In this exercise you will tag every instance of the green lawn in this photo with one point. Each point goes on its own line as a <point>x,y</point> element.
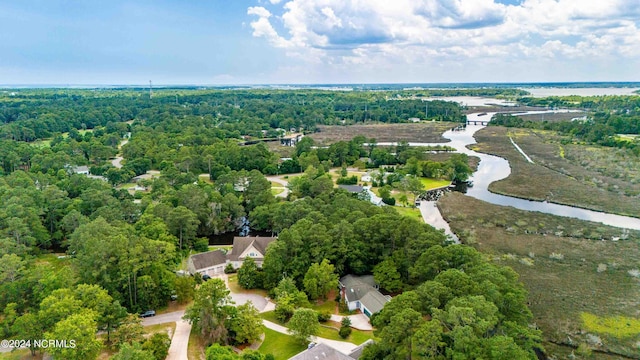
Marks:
<point>433,183</point>
<point>282,346</point>
<point>47,142</point>
<point>152,329</point>
<point>236,288</point>
<point>271,316</point>
<point>226,248</point>
<point>409,211</point>
<point>276,191</point>
<point>329,305</point>
<point>357,336</point>
<point>52,259</point>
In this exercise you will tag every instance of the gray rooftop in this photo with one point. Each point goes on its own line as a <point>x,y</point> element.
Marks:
<point>355,280</point>
<point>357,352</point>
<point>363,288</point>
<point>374,301</point>
<point>241,243</point>
<point>208,259</point>
<point>80,169</point>
<point>321,352</point>
<point>355,189</point>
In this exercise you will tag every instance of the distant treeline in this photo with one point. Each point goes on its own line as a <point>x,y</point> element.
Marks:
<point>31,114</point>
<point>610,116</point>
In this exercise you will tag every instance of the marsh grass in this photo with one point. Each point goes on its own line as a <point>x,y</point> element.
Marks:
<point>593,177</point>
<point>559,290</point>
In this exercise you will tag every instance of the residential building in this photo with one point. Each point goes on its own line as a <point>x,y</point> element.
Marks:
<point>214,262</point>
<point>254,247</point>
<point>361,292</point>
<point>324,352</point>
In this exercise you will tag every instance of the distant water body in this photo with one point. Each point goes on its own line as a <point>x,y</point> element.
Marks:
<point>626,87</point>
<point>594,91</point>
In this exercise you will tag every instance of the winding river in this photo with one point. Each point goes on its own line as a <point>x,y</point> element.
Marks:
<point>494,168</point>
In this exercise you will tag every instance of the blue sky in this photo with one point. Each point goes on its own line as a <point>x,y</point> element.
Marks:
<point>317,41</point>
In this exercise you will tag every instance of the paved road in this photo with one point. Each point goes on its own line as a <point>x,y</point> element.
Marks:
<point>163,318</point>
<point>117,162</point>
<point>281,181</point>
<point>180,339</point>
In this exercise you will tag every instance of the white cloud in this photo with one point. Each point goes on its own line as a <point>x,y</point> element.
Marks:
<point>259,11</point>
<point>384,33</point>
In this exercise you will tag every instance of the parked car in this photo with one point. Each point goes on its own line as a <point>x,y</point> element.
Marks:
<point>206,277</point>
<point>174,297</point>
<point>148,313</point>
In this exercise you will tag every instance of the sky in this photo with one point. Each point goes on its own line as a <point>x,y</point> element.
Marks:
<point>216,42</point>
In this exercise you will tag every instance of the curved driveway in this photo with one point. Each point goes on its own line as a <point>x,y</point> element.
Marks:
<point>281,181</point>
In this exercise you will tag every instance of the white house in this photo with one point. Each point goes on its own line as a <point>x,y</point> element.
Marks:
<point>82,170</point>
<point>361,292</point>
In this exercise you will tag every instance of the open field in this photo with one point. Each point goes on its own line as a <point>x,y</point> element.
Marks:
<point>553,116</point>
<point>47,142</point>
<point>423,132</point>
<point>564,174</point>
<point>566,270</point>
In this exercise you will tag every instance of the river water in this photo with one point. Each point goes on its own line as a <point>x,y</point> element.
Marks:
<point>494,168</point>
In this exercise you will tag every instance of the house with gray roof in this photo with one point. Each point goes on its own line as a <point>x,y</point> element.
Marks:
<point>207,263</point>
<point>254,247</point>
<point>361,292</point>
<point>213,262</point>
<point>321,352</point>
<point>354,189</point>
<point>325,352</point>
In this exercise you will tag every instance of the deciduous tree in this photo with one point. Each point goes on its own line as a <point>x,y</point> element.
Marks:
<point>320,279</point>
<point>303,324</point>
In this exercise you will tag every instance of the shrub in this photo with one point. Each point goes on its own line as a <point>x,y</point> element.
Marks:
<point>229,269</point>
<point>324,316</point>
<point>346,322</point>
<point>389,201</point>
<point>201,244</point>
<point>556,256</point>
<point>344,332</point>
<point>351,180</point>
